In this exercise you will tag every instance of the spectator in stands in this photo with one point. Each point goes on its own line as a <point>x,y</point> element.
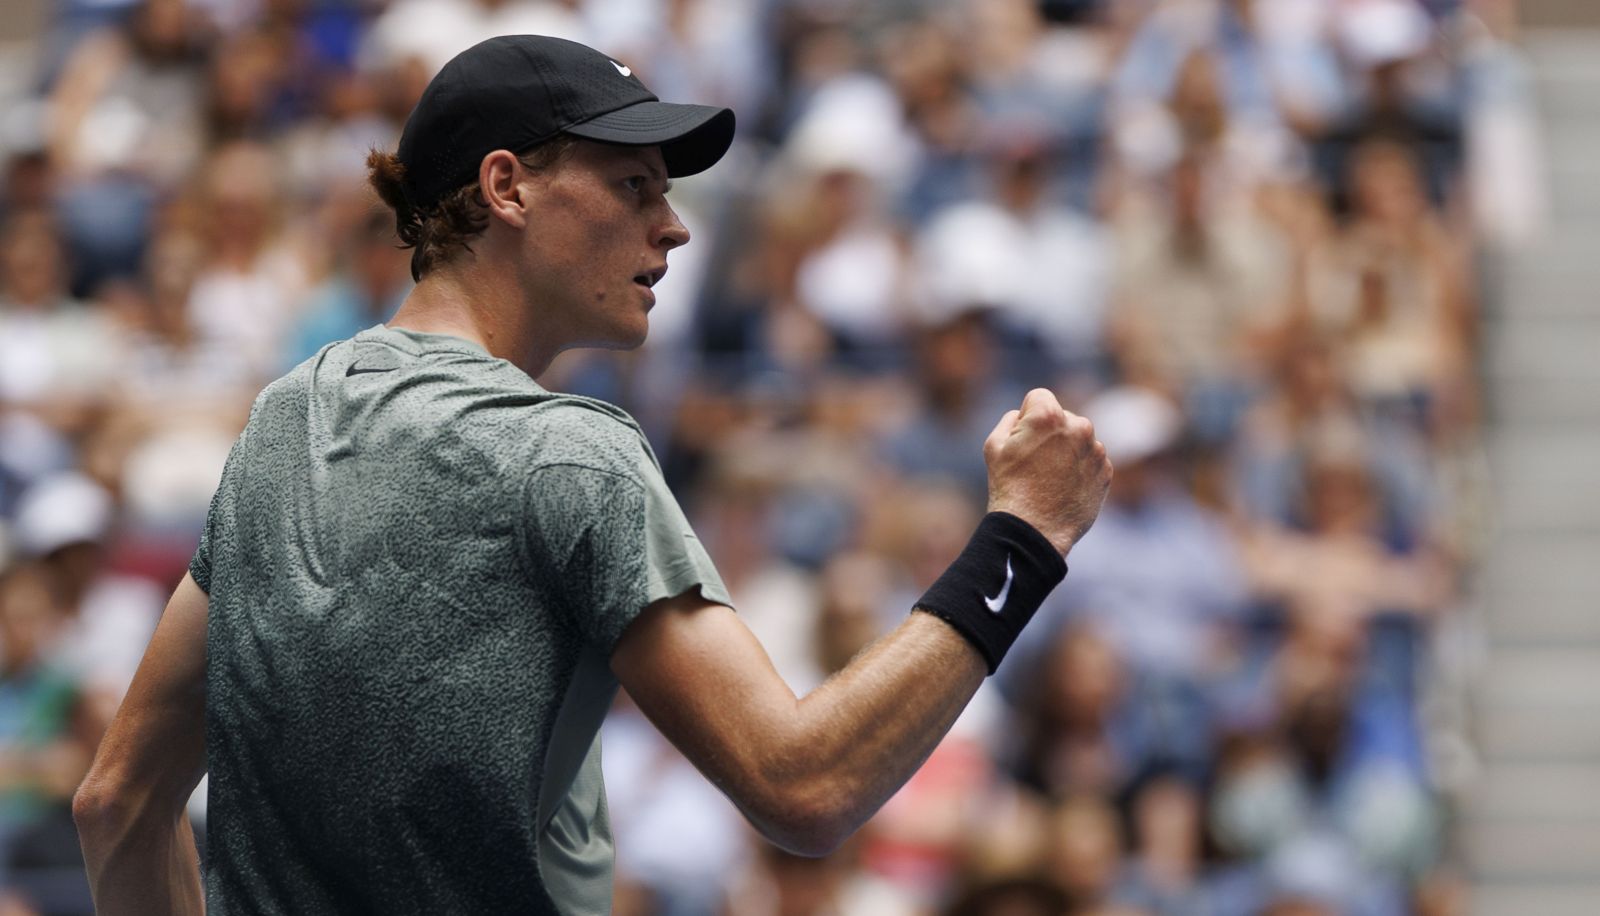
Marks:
<point>1164,816</point>
<point>923,62</point>
<point>166,366</point>
<point>1341,568</point>
<point>848,261</point>
<point>1079,730</point>
<point>46,736</point>
<point>1012,897</point>
<point>1404,94</point>
<point>1309,403</point>
<point>249,288</point>
<point>1392,287</point>
<point>1201,283</point>
<point>1158,575</point>
<point>433,31</point>
<point>1085,849</point>
<point>55,354</point>
<point>1042,266</point>
<point>126,125</point>
<point>370,284</point>
<point>63,524</point>
<point>958,386</point>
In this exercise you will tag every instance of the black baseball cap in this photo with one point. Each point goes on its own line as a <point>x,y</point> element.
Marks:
<point>515,91</point>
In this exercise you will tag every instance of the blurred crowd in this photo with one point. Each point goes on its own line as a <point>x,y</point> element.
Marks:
<point>1252,240</point>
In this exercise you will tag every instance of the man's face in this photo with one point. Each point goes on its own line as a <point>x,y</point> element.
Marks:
<point>597,239</point>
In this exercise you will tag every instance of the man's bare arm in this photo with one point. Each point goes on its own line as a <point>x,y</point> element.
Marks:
<point>808,772</point>
<point>130,810</point>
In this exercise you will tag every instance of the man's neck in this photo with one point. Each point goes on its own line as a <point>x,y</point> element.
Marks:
<point>482,309</point>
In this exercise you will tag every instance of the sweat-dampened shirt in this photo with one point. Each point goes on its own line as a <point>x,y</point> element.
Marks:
<point>419,562</point>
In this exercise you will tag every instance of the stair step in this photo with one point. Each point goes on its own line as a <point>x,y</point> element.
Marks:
<point>1571,177</point>
<point>1555,679</point>
<point>1529,403</point>
<point>1518,733</point>
<point>1535,850</point>
<point>1542,591</point>
<point>1567,793</point>
<point>1563,53</point>
<point>1531,616</point>
<point>1565,348</point>
<point>1545,480</point>
<point>1566,98</point>
<point>1566,289</point>
<point>1542,899</point>
<point>1566,563</point>
<point>1570,250</point>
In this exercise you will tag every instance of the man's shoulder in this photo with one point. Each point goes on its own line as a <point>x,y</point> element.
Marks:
<point>572,430</point>
<point>586,416</point>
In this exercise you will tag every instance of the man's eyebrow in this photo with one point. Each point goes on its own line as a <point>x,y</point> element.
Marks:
<point>656,173</point>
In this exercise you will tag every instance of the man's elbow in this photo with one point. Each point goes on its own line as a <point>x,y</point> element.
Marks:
<point>92,808</point>
<point>100,806</point>
<point>810,821</point>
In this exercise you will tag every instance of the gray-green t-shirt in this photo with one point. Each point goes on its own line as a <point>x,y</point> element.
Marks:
<point>419,562</point>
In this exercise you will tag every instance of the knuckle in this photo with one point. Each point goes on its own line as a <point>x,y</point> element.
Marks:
<point>1050,419</point>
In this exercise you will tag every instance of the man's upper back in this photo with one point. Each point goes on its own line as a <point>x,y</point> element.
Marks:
<point>418,563</point>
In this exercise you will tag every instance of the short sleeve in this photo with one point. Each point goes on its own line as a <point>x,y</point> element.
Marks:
<point>604,544</point>
<point>200,563</point>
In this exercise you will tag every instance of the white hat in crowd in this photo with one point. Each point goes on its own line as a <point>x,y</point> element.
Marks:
<point>64,508</point>
<point>1133,423</point>
<point>1376,32</point>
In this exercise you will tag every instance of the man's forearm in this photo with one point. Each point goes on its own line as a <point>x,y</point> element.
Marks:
<point>137,843</point>
<point>865,731</point>
<point>140,863</point>
<point>805,771</point>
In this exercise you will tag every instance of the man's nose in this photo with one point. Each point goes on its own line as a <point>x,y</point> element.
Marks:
<point>673,232</point>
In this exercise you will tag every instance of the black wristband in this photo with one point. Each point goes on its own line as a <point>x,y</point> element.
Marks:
<point>992,590</point>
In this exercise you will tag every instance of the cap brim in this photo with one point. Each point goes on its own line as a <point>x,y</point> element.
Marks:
<point>692,137</point>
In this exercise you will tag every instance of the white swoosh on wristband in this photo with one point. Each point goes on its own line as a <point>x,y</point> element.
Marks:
<point>998,602</point>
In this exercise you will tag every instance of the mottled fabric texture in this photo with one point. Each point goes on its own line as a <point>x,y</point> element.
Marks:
<point>419,562</point>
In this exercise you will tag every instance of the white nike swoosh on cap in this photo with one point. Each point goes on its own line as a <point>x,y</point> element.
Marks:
<point>998,602</point>
<point>621,69</point>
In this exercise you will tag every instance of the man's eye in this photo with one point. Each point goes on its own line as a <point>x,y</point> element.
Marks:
<point>635,184</point>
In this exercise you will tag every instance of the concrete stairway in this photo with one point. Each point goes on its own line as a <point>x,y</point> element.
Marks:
<point>1532,823</point>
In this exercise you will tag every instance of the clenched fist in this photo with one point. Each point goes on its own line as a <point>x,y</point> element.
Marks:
<point>1047,468</point>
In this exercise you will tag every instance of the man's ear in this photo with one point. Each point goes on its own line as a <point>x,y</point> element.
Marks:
<point>500,178</point>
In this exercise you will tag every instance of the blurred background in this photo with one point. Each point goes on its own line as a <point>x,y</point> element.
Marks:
<point>1320,271</point>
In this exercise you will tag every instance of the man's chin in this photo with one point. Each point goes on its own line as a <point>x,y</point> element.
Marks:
<point>623,339</point>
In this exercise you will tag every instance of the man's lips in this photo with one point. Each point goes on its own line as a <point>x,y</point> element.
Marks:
<point>651,277</point>
<point>648,279</point>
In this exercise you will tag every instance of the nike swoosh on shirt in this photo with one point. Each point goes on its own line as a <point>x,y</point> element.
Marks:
<point>354,371</point>
<point>998,602</point>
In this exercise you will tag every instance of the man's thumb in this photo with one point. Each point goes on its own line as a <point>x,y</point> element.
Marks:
<point>1002,430</point>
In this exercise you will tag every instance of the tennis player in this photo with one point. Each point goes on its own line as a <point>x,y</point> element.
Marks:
<point>423,576</point>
